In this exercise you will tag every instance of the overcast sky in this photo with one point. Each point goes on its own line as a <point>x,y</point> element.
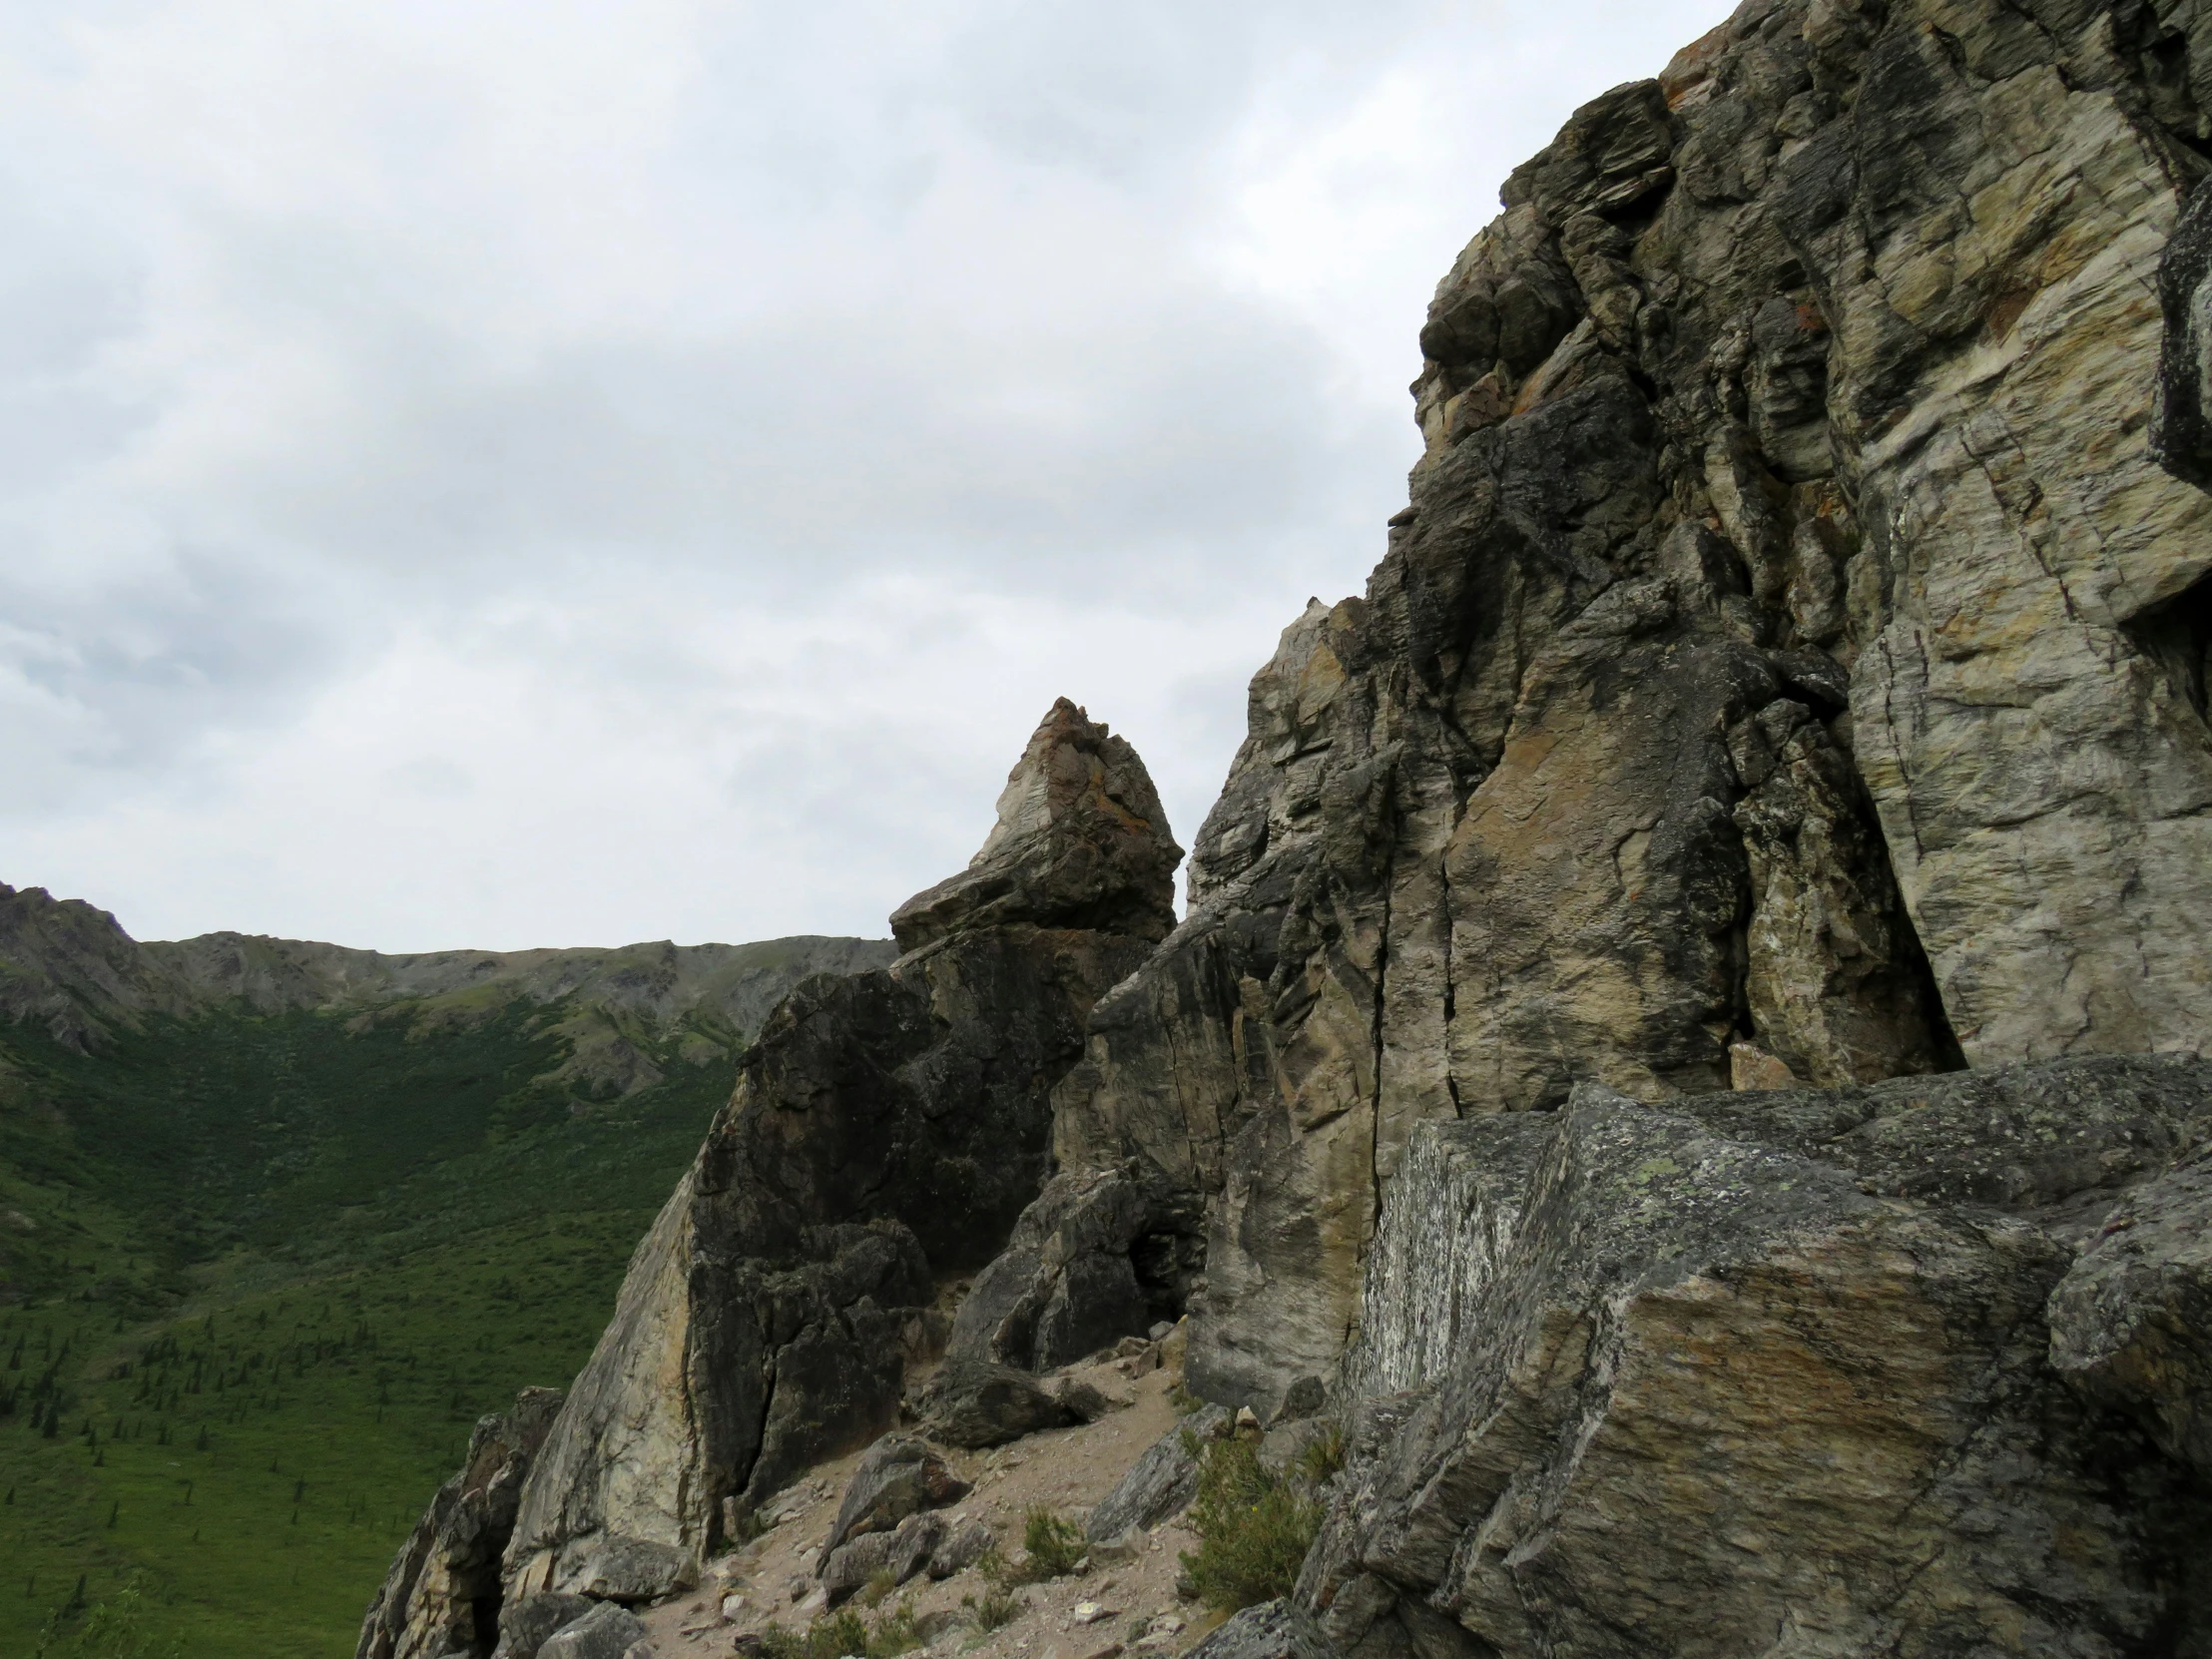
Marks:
<point>525,473</point>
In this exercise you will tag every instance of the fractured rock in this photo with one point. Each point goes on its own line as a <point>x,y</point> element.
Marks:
<point>898,1477</point>
<point>901,1553</point>
<point>1272,1630</point>
<point>977,1405</point>
<point>524,1626</point>
<point>448,1569</point>
<point>1162,1481</point>
<point>1739,1364</point>
<point>964,1545</point>
<point>606,1632</point>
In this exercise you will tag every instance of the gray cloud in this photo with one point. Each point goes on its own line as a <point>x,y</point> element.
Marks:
<point>516,474</point>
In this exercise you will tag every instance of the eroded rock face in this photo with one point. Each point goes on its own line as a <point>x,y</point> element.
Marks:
<point>1748,1363</point>
<point>443,1593</point>
<point>1081,842</point>
<point>886,1132</point>
<point>1790,665</point>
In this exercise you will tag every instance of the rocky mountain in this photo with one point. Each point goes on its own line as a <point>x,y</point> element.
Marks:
<point>1684,1039</point>
<point>71,969</point>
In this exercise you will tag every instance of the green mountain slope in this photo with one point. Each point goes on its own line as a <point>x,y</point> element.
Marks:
<point>272,1234</point>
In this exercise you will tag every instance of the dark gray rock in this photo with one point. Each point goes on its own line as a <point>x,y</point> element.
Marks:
<point>963,1546</point>
<point>2131,1323</point>
<point>445,1580</point>
<point>2181,417</point>
<point>886,1132</point>
<point>619,1568</point>
<point>525,1625</point>
<point>1163,1480</point>
<point>976,1405</point>
<point>1272,1630</point>
<point>898,1477</point>
<point>607,1631</point>
<point>901,1553</point>
<point>1708,1368</point>
<point>1099,1255</point>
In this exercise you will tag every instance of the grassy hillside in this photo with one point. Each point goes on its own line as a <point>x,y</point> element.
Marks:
<point>261,1275</point>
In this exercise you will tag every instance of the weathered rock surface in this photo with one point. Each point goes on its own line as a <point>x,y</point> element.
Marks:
<point>1272,1630</point>
<point>606,1632</point>
<point>1080,842</point>
<point>901,1553</point>
<point>1747,1363</point>
<point>524,1626</point>
<point>886,1130</point>
<point>1789,664</point>
<point>1163,1480</point>
<point>900,1476</point>
<point>972,1405</point>
<point>443,1594</point>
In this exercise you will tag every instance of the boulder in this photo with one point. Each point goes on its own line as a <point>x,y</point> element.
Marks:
<point>965,1543</point>
<point>900,1476</point>
<point>619,1568</point>
<point>901,1553</point>
<point>2131,1323</point>
<point>1272,1630</point>
<point>1163,1480</point>
<point>607,1631</point>
<point>525,1625</point>
<point>1748,1363</point>
<point>977,1405</point>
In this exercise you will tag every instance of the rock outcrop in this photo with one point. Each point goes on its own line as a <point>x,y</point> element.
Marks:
<point>886,1132</point>
<point>1823,1363</point>
<point>1790,665</point>
<point>443,1594</point>
<point>1683,1042</point>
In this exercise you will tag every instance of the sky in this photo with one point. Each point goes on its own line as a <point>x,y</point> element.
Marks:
<point>501,473</point>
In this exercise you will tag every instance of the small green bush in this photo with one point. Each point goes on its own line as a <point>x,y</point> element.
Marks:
<point>1054,1546</point>
<point>1323,1459</point>
<point>896,1633</point>
<point>832,1636</point>
<point>999,1605</point>
<point>880,1583</point>
<point>1254,1528</point>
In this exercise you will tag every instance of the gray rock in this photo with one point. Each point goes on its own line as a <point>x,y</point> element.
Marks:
<point>616,1567</point>
<point>886,1132</point>
<point>1080,842</point>
<point>900,1476</point>
<point>2181,416</point>
<point>2131,1323</point>
<point>606,1632</point>
<point>902,1553</point>
<point>451,1560</point>
<point>1163,1480</point>
<point>1272,1630</point>
<point>525,1624</point>
<point>1098,1256</point>
<point>963,1546</point>
<point>976,1405</point>
<point>1707,1370</point>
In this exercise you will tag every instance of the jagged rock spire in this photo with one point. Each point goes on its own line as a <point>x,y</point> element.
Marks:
<point>1080,841</point>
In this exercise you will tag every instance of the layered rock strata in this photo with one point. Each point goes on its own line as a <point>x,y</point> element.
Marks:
<point>886,1132</point>
<point>1826,1364</point>
<point>1789,668</point>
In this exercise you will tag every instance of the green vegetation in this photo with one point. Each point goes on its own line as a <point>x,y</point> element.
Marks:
<point>258,1279</point>
<point>1052,1546</point>
<point>846,1635</point>
<point>1254,1528</point>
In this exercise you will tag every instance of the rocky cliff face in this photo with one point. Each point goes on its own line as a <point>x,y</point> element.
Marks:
<point>887,1131</point>
<point>1727,901</point>
<point>1788,667</point>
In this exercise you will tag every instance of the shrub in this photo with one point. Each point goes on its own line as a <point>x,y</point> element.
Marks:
<point>999,1605</point>
<point>832,1636</point>
<point>1054,1546</point>
<point>1254,1528</point>
<point>1323,1459</point>
<point>896,1633</point>
<point>880,1583</point>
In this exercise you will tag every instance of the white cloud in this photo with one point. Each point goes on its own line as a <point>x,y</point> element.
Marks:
<point>501,474</point>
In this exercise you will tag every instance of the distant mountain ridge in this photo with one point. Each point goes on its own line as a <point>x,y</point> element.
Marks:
<point>70,969</point>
